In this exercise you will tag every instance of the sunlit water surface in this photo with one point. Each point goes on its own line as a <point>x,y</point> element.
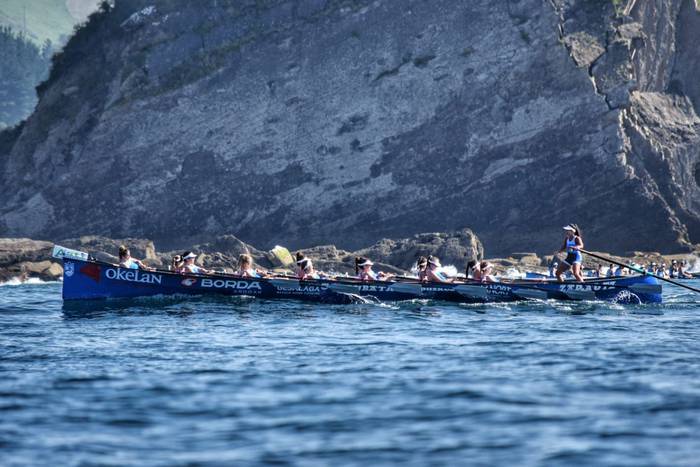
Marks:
<point>241,382</point>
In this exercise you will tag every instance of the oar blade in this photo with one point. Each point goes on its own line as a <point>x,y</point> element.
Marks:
<point>650,289</point>
<point>474,292</point>
<point>580,295</point>
<point>406,288</point>
<point>531,294</point>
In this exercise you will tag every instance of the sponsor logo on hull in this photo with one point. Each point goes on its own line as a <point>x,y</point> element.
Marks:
<point>133,275</point>
<point>190,281</point>
<point>588,287</point>
<point>231,284</point>
<point>307,289</point>
<point>373,288</point>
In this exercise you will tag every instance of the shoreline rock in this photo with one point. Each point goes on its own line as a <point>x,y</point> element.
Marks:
<point>28,258</point>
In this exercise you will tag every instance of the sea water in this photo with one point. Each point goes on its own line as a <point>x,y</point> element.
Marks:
<point>245,382</point>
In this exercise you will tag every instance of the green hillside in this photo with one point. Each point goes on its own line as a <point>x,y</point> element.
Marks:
<point>45,19</point>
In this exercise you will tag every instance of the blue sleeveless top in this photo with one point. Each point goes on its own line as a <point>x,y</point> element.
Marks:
<point>130,264</point>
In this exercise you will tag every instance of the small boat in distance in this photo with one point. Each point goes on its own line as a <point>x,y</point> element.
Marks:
<point>87,279</point>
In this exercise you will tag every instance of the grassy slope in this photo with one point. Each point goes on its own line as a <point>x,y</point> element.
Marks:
<point>46,19</point>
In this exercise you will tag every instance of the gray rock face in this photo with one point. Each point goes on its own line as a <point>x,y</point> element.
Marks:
<point>454,248</point>
<point>322,121</point>
<point>24,258</point>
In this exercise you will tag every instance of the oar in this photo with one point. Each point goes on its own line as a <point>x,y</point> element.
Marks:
<point>641,271</point>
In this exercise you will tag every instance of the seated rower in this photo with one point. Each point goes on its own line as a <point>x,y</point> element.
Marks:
<point>245,267</point>
<point>188,266</point>
<point>682,273</point>
<point>363,270</point>
<point>305,268</point>
<point>471,269</point>
<point>433,273</point>
<point>126,261</point>
<point>475,268</point>
<point>422,267</point>
<point>599,271</point>
<point>486,272</point>
<point>176,263</point>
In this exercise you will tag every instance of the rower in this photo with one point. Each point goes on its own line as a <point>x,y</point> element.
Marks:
<point>477,273</point>
<point>573,242</point>
<point>176,263</point>
<point>363,270</point>
<point>189,267</point>
<point>599,271</point>
<point>486,270</point>
<point>471,269</point>
<point>245,267</point>
<point>305,268</point>
<point>433,273</point>
<point>422,267</point>
<point>126,261</point>
<point>682,273</point>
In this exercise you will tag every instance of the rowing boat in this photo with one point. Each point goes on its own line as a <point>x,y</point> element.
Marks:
<point>86,279</point>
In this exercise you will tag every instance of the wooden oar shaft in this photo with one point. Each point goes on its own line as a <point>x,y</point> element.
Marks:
<point>610,260</point>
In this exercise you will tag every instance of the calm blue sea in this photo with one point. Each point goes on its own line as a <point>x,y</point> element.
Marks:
<point>245,382</point>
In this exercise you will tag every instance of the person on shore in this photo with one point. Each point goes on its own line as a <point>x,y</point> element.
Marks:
<point>188,266</point>
<point>245,267</point>
<point>305,268</point>
<point>433,273</point>
<point>573,243</point>
<point>422,267</point>
<point>127,262</point>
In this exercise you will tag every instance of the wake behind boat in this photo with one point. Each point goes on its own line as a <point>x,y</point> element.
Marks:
<point>86,279</point>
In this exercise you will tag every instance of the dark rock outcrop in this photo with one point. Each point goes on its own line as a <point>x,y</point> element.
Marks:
<point>325,121</point>
<point>454,248</point>
<point>22,257</point>
<point>30,258</point>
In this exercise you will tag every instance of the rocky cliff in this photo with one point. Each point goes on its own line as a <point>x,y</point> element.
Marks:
<point>22,258</point>
<point>344,121</point>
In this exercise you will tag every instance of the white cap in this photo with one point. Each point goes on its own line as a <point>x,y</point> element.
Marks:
<point>367,262</point>
<point>568,227</point>
<point>190,255</point>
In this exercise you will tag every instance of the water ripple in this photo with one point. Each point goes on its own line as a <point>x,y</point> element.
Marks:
<point>212,381</point>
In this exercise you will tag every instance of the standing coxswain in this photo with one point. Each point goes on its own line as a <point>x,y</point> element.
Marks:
<point>573,243</point>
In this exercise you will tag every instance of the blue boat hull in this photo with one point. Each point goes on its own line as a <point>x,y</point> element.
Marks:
<point>88,280</point>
